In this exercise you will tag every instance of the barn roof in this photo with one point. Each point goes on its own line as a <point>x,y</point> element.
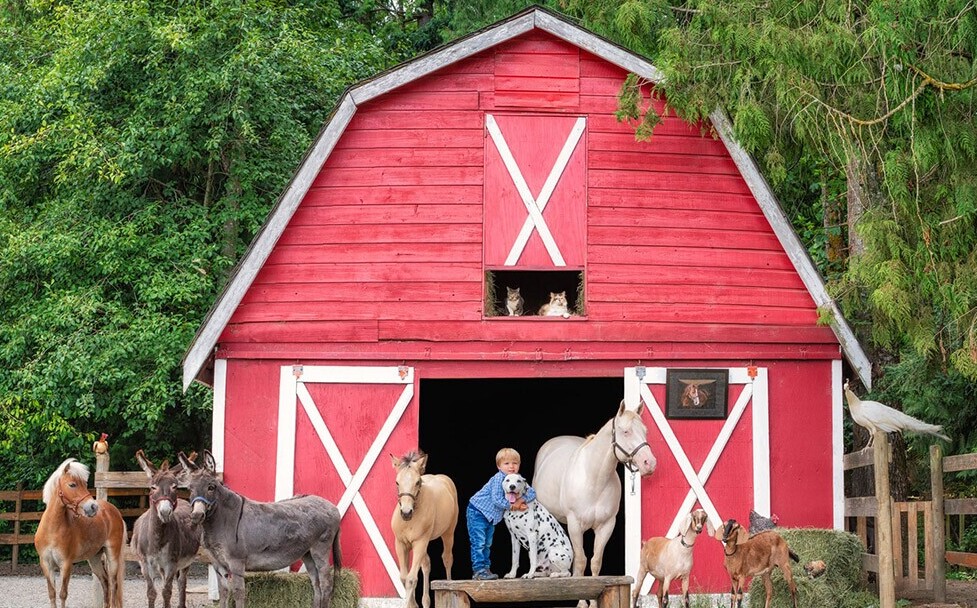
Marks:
<point>200,354</point>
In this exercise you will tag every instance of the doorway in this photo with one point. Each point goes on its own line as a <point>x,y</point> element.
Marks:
<point>463,423</point>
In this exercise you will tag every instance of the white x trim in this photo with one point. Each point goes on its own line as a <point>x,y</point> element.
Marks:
<point>755,390</point>
<point>535,206</point>
<point>292,390</point>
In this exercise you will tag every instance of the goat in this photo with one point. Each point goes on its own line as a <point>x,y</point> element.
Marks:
<point>746,557</point>
<point>668,559</point>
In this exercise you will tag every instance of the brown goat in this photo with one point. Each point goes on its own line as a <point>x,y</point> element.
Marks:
<point>746,557</point>
<point>668,559</point>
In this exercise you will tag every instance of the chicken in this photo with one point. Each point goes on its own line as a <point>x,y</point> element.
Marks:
<point>873,415</point>
<point>101,446</point>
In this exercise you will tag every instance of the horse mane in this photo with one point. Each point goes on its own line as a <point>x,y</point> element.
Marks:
<point>410,457</point>
<point>75,469</point>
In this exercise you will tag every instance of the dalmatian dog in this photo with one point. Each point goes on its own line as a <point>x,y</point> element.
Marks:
<point>536,530</point>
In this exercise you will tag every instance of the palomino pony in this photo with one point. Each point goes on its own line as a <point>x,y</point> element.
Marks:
<point>576,479</point>
<point>246,535</point>
<point>163,537</point>
<point>427,508</point>
<point>76,527</point>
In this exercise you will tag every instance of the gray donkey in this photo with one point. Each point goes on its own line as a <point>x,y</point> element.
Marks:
<point>246,535</point>
<point>164,537</point>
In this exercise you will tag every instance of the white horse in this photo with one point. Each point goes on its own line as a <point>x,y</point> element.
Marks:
<point>577,480</point>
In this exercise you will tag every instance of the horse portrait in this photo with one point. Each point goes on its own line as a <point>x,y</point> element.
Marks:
<point>75,527</point>
<point>248,535</point>
<point>164,538</point>
<point>426,509</point>
<point>576,479</point>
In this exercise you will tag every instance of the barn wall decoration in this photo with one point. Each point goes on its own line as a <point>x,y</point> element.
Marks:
<point>493,162</point>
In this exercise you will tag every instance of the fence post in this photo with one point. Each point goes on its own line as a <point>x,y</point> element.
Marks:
<point>101,466</point>
<point>18,508</point>
<point>939,540</point>
<point>883,522</point>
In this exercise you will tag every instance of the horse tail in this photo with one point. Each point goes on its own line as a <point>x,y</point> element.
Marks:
<point>337,554</point>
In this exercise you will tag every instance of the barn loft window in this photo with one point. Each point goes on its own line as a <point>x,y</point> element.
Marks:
<point>535,287</point>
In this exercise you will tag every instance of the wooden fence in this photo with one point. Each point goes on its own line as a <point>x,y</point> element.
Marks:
<point>915,528</point>
<point>127,486</point>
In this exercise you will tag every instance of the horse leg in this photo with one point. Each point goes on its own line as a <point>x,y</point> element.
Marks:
<point>48,571</point>
<point>426,572</point>
<point>447,555</point>
<point>64,575</point>
<point>602,533</point>
<point>97,563</point>
<point>575,531</point>
<point>403,559</point>
<point>418,554</point>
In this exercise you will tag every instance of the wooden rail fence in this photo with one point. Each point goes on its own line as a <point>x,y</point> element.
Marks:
<point>920,527</point>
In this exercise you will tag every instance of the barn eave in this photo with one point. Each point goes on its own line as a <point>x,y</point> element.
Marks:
<point>199,356</point>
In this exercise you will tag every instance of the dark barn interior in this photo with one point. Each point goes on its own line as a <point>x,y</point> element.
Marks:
<point>463,423</point>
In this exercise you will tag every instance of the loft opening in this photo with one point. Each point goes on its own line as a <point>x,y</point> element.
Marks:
<point>535,287</point>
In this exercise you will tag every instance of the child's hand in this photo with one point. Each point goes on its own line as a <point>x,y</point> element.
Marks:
<point>519,505</point>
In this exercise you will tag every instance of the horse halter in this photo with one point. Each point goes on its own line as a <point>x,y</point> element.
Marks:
<point>74,507</point>
<point>628,460</point>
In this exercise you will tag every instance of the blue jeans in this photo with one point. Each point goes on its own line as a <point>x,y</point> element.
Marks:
<point>480,531</point>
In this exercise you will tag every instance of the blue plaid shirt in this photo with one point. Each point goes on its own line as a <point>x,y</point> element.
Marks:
<point>491,500</point>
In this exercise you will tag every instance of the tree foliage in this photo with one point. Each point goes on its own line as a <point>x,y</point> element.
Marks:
<point>142,145</point>
<point>872,103</point>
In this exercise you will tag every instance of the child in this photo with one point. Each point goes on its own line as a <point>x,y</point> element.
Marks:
<point>486,509</point>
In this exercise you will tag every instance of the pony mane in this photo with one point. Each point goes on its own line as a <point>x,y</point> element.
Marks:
<point>75,469</point>
<point>410,457</point>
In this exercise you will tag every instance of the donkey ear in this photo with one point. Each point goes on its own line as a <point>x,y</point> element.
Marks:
<point>209,462</point>
<point>145,464</point>
<point>186,463</point>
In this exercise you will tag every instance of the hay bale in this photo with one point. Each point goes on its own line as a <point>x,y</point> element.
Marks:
<point>294,589</point>
<point>841,584</point>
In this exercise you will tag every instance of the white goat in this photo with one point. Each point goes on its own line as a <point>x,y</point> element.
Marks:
<point>668,559</point>
<point>746,556</point>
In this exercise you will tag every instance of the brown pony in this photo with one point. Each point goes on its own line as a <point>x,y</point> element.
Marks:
<point>76,527</point>
<point>427,508</point>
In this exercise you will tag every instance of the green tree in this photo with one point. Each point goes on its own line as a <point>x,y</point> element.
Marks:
<point>867,106</point>
<point>142,145</point>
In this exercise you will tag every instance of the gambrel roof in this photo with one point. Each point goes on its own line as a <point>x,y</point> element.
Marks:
<point>201,350</point>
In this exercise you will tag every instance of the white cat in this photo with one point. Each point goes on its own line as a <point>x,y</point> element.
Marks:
<point>514,302</point>
<point>556,307</point>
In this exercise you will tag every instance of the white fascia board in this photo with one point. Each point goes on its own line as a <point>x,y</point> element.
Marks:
<point>264,242</point>
<point>793,247</point>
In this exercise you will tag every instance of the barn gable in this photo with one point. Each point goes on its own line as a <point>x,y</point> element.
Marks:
<point>503,85</point>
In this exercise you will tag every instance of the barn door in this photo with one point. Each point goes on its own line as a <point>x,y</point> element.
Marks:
<point>687,460</point>
<point>352,413</point>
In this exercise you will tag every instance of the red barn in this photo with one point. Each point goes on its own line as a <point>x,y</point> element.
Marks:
<point>368,316</point>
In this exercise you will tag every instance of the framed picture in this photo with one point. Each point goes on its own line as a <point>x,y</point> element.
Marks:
<point>696,393</point>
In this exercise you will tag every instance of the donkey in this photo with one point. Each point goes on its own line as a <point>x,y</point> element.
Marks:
<point>243,534</point>
<point>164,538</point>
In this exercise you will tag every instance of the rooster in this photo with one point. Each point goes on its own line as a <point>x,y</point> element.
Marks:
<point>873,416</point>
<point>101,446</point>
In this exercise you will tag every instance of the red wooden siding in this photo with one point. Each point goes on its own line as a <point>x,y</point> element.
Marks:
<point>391,242</point>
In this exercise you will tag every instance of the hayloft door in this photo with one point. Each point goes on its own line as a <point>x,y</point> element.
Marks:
<point>333,424</point>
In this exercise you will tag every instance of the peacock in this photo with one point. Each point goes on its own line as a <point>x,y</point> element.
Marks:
<point>873,415</point>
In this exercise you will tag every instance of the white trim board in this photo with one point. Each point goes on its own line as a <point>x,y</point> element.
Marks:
<point>755,391</point>
<point>293,394</point>
<point>202,347</point>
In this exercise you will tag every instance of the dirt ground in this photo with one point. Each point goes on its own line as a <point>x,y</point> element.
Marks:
<point>959,594</point>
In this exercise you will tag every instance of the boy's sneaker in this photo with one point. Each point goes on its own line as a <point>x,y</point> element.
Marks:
<point>485,575</point>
